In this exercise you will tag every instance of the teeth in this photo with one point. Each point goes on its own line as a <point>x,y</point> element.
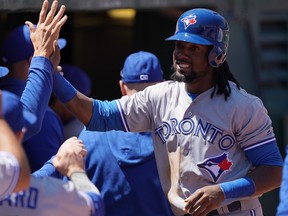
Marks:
<point>183,65</point>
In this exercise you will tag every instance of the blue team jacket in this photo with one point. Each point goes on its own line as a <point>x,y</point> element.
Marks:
<point>122,165</point>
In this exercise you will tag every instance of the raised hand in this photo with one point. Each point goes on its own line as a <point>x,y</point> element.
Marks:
<point>45,35</point>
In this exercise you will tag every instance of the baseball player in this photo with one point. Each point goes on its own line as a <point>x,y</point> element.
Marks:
<point>214,142</point>
<point>47,195</point>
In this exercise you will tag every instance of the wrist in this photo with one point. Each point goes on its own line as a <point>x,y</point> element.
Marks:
<point>238,188</point>
<point>63,90</point>
<point>75,172</point>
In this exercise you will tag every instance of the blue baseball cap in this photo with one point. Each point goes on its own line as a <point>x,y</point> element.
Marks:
<point>14,113</point>
<point>141,67</point>
<point>78,78</point>
<point>3,71</point>
<point>18,46</point>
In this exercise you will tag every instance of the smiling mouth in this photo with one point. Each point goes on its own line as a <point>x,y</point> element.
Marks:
<point>181,65</point>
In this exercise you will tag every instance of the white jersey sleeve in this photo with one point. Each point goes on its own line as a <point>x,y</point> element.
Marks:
<point>48,196</point>
<point>9,173</point>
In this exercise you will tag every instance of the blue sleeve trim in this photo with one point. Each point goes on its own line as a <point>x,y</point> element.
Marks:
<point>239,188</point>
<point>267,154</point>
<point>106,116</point>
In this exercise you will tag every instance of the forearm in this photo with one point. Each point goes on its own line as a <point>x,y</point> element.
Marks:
<point>80,105</point>
<point>266,178</point>
<point>255,183</point>
<point>82,182</point>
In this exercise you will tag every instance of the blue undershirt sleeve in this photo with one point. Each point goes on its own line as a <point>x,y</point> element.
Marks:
<point>37,92</point>
<point>47,169</point>
<point>106,116</point>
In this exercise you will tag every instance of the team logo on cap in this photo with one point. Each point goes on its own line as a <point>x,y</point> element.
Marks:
<point>189,20</point>
<point>216,166</point>
<point>144,77</point>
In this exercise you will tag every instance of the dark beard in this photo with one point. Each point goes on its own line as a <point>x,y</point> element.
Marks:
<point>181,78</point>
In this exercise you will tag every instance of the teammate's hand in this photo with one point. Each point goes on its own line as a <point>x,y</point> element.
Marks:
<point>47,32</point>
<point>204,200</point>
<point>70,157</point>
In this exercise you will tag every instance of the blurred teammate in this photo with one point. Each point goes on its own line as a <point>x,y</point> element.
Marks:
<point>45,195</point>
<point>17,52</point>
<point>282,209</point>
<point>122,164</point>
<point>45,59</point>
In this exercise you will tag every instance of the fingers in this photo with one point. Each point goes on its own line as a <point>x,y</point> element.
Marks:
<point>43,11</point>
<point>59,17</point>
<point>74,145</point>
<point>51,13</point>
<point>30,26</point>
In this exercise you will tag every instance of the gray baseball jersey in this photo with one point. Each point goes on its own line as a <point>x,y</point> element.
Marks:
<point>197,142</point>
<point>48,196</point>
<point>9,173</point>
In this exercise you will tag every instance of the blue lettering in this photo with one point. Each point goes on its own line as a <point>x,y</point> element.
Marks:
<point>174,124</point>
<point>226,142</point>
<point>203,130</point>
<point>19,200</point>
<point>216,131</point>
<point>23,199</point>
<point>32,199</point>
<point>186,126</point>
<point>158,132</point>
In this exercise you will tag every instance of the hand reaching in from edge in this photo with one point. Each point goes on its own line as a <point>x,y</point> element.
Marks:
<point>70,157</point>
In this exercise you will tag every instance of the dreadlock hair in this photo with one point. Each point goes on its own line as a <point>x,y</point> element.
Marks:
<point>221,78</point>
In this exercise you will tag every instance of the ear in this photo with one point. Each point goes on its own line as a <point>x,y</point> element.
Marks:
<point>122,88</point>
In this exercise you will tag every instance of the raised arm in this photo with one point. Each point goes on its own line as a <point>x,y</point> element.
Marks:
<point>45,60</point>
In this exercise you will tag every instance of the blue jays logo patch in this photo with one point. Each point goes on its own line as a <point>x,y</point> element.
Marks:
<point>189,20</point>
<point>216,166</point>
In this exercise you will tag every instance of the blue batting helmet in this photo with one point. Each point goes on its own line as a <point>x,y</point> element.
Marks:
<point>204,27</point>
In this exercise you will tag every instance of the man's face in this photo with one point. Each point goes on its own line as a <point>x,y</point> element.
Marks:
<point>190,62</point>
